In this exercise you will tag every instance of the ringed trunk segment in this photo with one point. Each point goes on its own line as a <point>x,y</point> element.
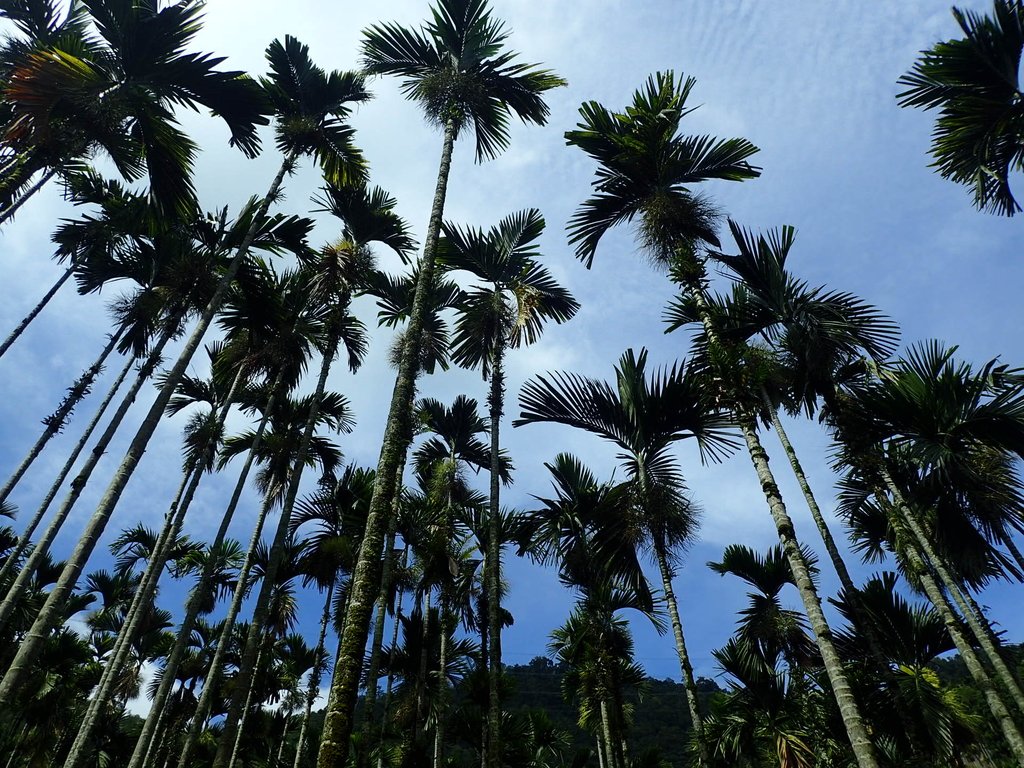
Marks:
<point>339,720</point>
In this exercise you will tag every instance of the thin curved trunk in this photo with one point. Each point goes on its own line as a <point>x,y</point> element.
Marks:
<point>863,749</point>
<point>339,720</point>
<point>26,537</point>
<point>391,677</point>
<point>685,667</point>
<point>192,607</point>
<point>853,721</point>
<point>492,564</point>
<point>11,209</point>
<point>49,615</point>
<point>55,422</point>
<point>20,327</point>
<point>442,690</point>
<point>143,600</point>
<point>314,677</point>
<point>974,622</point>
<point>274,559</point>
<point>934,592</point>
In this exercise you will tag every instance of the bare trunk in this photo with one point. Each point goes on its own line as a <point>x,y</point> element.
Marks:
<point>685,667</point>
<point>192,607</point>
<point>995,703</point>
<point>51,610</point>
<point>55,422</point>
<point>492,566</point>
<point>442,689</point>
<point>863,749</point>
<point>315,676</point>
<point>49,615</point>
<point>144,597</point>
<point>26,537</point>
<point>250,689</point>
<point>391,677</point>
<point>339,719</point>
<point>11,209</point>
<point>610,752</point>
<point>256,628</point>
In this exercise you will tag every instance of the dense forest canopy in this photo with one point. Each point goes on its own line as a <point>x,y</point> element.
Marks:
<point>705,423</point>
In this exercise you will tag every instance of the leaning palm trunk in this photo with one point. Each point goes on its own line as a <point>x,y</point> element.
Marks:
<point>142,602</point>
<point>339,720</point>
<point>26,537</point>
<point>40,628</point>
<point>314,677</point>
<point>205,704</point>
<point>196,599</point>
<point>974,622</point>
<point>853,721</point>
<point>996,706</point>
<point>49,615</point>
<point>20,328</point>
<point>860,741</point>
<point>276,556</point>
<point>492,567</point>
<point>11,209</point>
<point>442,690</point>
<point>55,422</point>
<point>685,667</point>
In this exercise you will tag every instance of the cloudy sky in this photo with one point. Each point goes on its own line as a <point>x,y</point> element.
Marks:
<point>812,84</point>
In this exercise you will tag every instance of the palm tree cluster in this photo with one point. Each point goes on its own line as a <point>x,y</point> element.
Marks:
<point>406,666</point>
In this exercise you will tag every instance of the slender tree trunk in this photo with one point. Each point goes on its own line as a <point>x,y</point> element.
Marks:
<point>11,209</point>
<point>54,423</point>
<point>265,641</point>
<point>284,734</point>
<point>606,732</point>
<point>421,696</point>
<point>685,667</point>
<point>315,676</point>
<point>224,640</point>
<point>1007,540</point>
<point>274,560</point>
<point>339,719</point>
<point>48,616</point>
<point>492,564</point>
<point>600,753</point>
<point>26,537</point>
<point>50,613</point>
<point>391,677</point>
<point>20,327</point>
<point>442,686</point>
<point>934,592</point>
<point>195,601</point>
<point>863,749</point>
<point>974,622</point>
<point>143,600</point>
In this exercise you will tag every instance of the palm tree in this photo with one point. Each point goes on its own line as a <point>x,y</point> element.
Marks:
<point>645,172</point>
<point>645,420</point>
<point>308,105</point>
<point>518,295</point>
<point>117,91</point>
<point>456,70</point>
<point>974,83</point>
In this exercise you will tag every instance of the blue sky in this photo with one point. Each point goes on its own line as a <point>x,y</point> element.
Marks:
<point>812,84</point>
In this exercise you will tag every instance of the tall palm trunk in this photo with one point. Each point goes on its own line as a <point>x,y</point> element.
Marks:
<point>860,741</point>
<point>192,607</point>
<point>339,719</point>
<point>391,677</point>
<point>26,537</point>
<point>934,592</point>
<point>41,627</point>
<point>143,599</point>
<point>492,564</point>
<point>314,677</point>
<point>274,559</point>
<point>261,655</point>
<point>685,667</point>
<point>1006,539</point>
<point>853,721</point>
<point>49,615</point>
<point>11,209</point>
<point>442,683</point>
<point>606,732</point>
<point>950,586</point>
<point>54,423</point>
<point>20,328</point>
